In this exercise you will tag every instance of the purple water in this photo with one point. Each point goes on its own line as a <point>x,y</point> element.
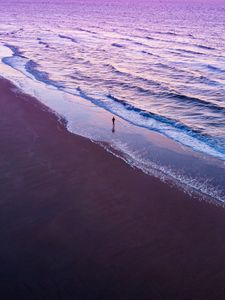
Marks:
<point>160,66</point>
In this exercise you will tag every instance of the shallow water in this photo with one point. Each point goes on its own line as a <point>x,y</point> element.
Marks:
<point>160,67</point>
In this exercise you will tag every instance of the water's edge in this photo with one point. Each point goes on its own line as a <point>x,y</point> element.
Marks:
<point>79,116</point>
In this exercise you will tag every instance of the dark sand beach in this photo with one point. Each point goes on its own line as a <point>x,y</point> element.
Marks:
<point>78,223</point>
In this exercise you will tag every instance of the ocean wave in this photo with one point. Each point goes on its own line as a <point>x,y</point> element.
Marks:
<point>205,47</point>
<point>167,66</point>
<point>164,91</point>
<point>131,107</point>
<point>16,51</point>
<point>139,44</point>
<point>190,51</point>
<point>86,30</point>
<point>32,68</point>
<point>189,44</point>
<point>174,123</point>
<point>149,38</point>
<point>215,69</point>
<point>171,128</point>
<point>28,66</point>
<point>146,114</point>
<point>117,45</point>
<point>207,81</point>
<point>133,77</point>
<point>190,35</point>
<point>67,38</point>
<point>11,33</point>
<point>40,42</point>
<point>166,33</point>
<point>149,53</point>
<point>199,102</point>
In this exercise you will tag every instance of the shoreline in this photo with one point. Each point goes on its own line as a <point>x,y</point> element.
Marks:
<point>147,150</point>
<point>79,223</point>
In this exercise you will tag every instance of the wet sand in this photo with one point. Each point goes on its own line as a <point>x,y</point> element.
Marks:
<point>78,223</point>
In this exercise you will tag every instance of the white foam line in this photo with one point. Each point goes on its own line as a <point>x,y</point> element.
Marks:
<point>132,158</point>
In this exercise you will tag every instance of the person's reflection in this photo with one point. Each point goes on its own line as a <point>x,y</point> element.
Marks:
<point>113,122</point>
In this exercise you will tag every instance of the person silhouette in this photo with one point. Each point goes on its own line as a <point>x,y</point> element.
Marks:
<point>113,121</point>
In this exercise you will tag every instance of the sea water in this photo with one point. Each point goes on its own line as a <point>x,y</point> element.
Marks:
<point>157,66</point>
